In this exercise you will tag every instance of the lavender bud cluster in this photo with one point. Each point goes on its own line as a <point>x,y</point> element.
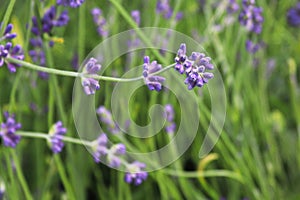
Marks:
<point>8,50</point>
<point>8,131</point>
<point>194,67</point>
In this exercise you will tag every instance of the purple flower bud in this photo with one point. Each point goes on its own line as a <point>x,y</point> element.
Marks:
<point>8,131</point>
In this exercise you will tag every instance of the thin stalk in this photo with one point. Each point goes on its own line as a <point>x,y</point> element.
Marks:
<point>20,175</point>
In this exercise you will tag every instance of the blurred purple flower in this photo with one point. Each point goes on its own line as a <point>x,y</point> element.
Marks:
<point>90,85</point>
<point>152,81</point>
<point>135,14</point>
<point>252,47</point>
<point>114,152</point>
<point>251,17</point>
<point>100,147</point>
<point>135,174</point>
<point>8,131</point>
<point>49,20</point>
<point>293,16</point>
<point>100,22</point>
<point>106,117</point>
<point>232,7</point>
<point>71,3</point>
<point>169,115</point>
<point>56,134</point>
<point>163,7</point>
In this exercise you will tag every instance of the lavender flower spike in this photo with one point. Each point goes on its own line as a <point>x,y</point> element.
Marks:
<point>56,133</point>
<point>153,82</point>
<point>135,174</point>
<point>8,131</point>
<point>90,85</point>
<point>100,147</point>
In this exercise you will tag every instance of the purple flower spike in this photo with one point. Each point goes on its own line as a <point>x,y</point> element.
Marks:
<point>8,131</point>
<point>153,82</point>
<point>70,3</point>
<point>100,147</point>
<point>56,134</point>
<point>90,85</point>
<point>100,22</point>
<point>135,174</point>
<point>106,118</point>
<point>293,16</point>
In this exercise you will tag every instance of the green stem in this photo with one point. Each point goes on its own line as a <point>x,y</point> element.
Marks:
<point>20,175</point>
<point>77,74</point>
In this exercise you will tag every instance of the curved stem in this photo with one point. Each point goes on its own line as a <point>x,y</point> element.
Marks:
<point>77,74</point>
